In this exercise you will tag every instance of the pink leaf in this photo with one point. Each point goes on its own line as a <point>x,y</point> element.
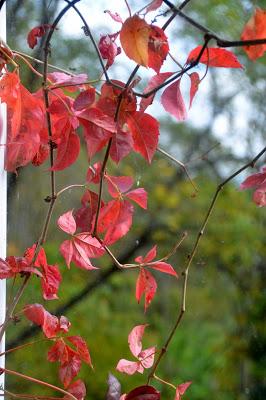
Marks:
<point>67,250</point>
<point>115,16</point>
<point>67,223</point>
<point>135,338</point>
<point>60,78</point>
<point>118,184</point>
<point>146,357</point>
<point>173,102</point>
<point>155,81</point>
<point>127,367</point>
<point>154,5</point>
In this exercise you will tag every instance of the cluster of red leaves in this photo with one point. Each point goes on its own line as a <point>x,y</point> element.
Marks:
<point>69,358</point>
<point>33,264</point>
<point>113,118</point>
<point>258,182</point>
<point>115,218</point>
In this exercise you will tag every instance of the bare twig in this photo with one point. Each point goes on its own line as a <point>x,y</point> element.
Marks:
<point>38,382</point>
<point>192,255</point>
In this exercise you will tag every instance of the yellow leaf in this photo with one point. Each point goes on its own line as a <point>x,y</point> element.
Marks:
<point>134,38</point>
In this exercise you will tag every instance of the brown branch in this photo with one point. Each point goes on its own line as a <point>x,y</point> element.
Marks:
<point>192,255</point>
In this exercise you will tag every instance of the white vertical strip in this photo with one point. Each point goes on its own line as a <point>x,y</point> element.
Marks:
<point>3,205</point>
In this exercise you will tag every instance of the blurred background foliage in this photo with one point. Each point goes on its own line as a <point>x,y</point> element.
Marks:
<point>221,343</point>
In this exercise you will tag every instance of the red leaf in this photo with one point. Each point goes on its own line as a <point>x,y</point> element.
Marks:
<point>115,219</point>
<point>25,122</point>
<point>122,144</point>
<point>215,57</point>
<point>194,81</point>
<point>84,216</point>
<point>67,223</point>
<point>85,99</point>
<point>77,389</point>
<point>145,133</point>
<point>173,102</point>
<point>255,29</point>
<point>69,370</point>
<point>81,348</point>
<point>139,196</point>
<point>108,49</point>
<point>155,81</point>
<point>163,267</point>
<point>149,256</point>
<point>49,323</point>
<point>50,282</point>
<point>118,184</point>
<point>158,48</point>
<point>68,151</point>
<point>257,181</point>
<point>127,367</point>
<point>97,117</point>
<point>143,393</point>
<point>12,266</point>
<point>36,33</point>
<point>254,181</point>
<point>60,78</point>
<point>146,284</point>
<point>98,128</point>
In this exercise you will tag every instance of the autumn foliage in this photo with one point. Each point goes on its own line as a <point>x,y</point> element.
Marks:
<point>109,118</point>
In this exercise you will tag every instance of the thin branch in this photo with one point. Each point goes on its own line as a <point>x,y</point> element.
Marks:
<point>192,255</point>
<point>38,382</point>
<point>88,33</point>
<point>12,306</point>
<point>37,61</point>
<point>180,164</point>
<point>220,42</point>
